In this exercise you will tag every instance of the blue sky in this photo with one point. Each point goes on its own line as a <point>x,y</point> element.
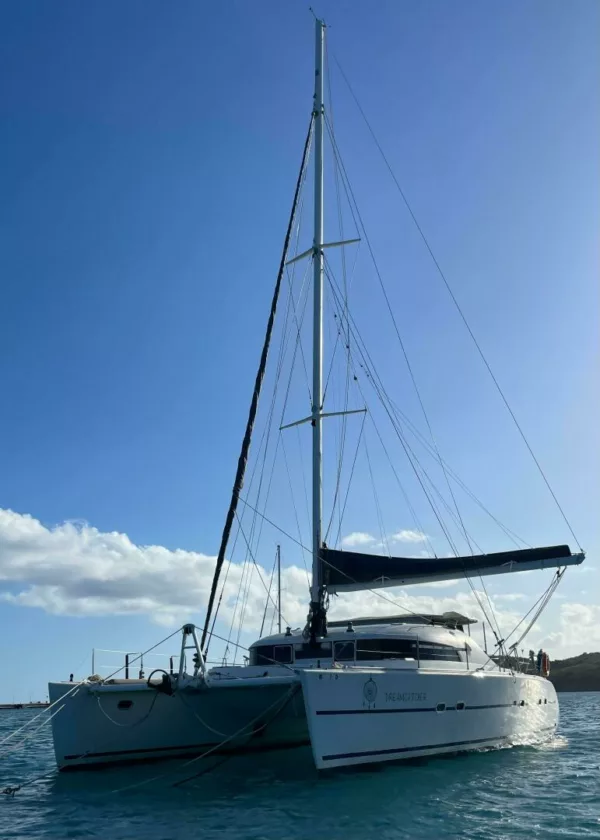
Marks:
<point>148,161</point>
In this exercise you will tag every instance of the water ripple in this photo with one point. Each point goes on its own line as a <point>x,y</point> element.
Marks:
<point>551,791</point>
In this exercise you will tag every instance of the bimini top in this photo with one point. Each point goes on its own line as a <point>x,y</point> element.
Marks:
<point>344,571</point>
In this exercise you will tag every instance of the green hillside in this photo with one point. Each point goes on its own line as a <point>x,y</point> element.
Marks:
<point>580,673</point>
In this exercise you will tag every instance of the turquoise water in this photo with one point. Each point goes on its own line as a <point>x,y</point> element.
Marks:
<point>545,792</point>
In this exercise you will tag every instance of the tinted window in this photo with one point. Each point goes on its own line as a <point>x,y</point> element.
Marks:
<point>386,649</point>
<point>446,653</point>
<point>270,654</point>
<point>344,651</point>
<point>322,650</point>
<point>283,653</point>
<point>264,655</point>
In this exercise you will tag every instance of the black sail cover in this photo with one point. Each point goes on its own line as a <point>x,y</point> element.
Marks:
<point>344,571</point>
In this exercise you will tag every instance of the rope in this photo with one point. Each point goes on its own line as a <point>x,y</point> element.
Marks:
<point>197,716</point>
<point>219,746</point>
<point>10,790</point>
<point>20,743</point>
<point>74,691</point>
<point>46,710</point>
<point>293,691</point>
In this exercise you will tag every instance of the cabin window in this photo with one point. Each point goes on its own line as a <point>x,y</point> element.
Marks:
<point>264,655</point>
<point>271,654</point>
<point>386,649</point>
<point>444,653</point>
<point>124,704</point>
<point>283,654</point>
<point>321,650</point>
<point>343,651</point>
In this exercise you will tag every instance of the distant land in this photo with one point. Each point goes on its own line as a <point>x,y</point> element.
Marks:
<point>579,673</point>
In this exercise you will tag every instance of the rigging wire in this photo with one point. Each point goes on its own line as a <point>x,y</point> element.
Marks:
<point>414,383</point>
<point>458,307</point>
<point>402,418</point>
<point>384,542</point>
<point>346,340</point>
<point>256,566</point>
<point>266,434</point>
<point>247,571</point>
<point>380,391</point>
<point>302,296</point>
<point>262,626</point>
<point>287,468</point>
<point>241,467</point>
<point>398,335</point>
<point>343,508</point>
<point>375,592</point>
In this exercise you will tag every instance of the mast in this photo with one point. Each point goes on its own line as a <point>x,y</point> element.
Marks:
<point>317,620</point>
<point>279,586</point>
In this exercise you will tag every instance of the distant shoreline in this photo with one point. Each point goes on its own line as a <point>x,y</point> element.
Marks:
<point>577,690</point>
<point>577,674</point>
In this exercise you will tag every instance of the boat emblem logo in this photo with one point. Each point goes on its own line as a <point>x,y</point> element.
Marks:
<point>370,691</point>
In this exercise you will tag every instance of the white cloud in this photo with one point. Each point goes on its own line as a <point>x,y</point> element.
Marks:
<point>358,538</point>
<point>363,539</point>
<point>408,536</point>
<point>510,596</point>
<point>578,630</point>
<point>74,569</point>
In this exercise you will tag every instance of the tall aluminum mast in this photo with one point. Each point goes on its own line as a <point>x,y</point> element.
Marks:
<point>318,622</point>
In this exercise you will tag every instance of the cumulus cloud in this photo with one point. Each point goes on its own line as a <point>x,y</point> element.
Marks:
<point>578,629</point>
<point>408,536</point>
<point>362,539</point>
<point>75,569</point>
<point>358,538</point>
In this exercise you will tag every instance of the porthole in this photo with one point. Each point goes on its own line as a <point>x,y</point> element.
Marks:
<point>441,707</point>
<point>460,707</point>
<point>545,700</point>
<point>540,702</point>
<point>124,704</point>
<point>522,703</point>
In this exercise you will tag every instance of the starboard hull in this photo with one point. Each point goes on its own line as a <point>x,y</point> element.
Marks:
<point>364,716</point>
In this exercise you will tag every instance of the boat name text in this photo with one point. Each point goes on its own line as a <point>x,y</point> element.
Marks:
<point>404,697</point>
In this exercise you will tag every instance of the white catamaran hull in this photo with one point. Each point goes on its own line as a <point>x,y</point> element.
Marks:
<point>358,716</point>
<point>350,716</point>
<point>109,724</point>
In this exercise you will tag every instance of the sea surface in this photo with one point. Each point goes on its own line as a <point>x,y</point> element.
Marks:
<point>551,791</point>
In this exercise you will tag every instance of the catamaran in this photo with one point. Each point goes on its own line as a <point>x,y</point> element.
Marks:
<point>359,690</point>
